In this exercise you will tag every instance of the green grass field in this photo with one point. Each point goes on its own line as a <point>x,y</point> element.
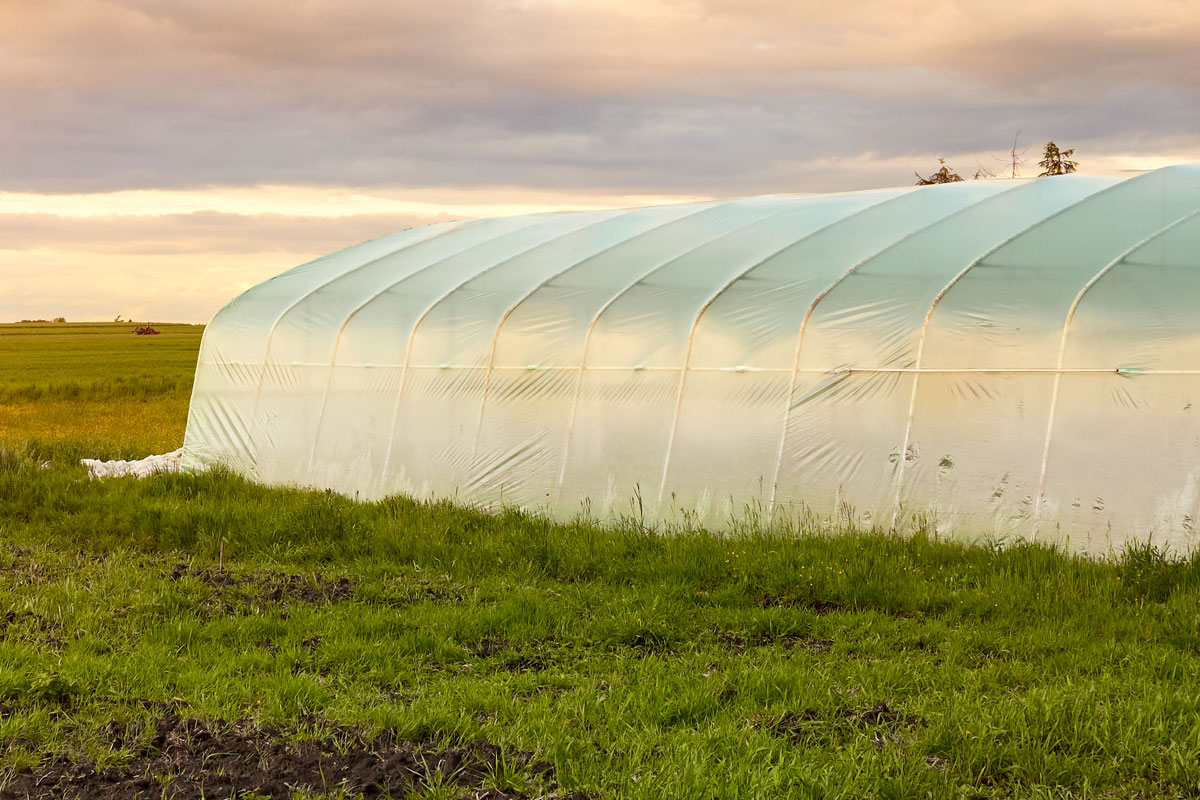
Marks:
<point>194,635</point>
<point>95,387</point>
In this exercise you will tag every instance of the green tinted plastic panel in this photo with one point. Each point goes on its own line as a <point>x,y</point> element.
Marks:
<point>1014,358</point>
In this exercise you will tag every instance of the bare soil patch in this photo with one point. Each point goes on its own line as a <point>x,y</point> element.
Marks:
<point>880,721</point>
<point>740,642</point>
<point>20,568</point>
<point>231,589</point>
<point>415,591</point>
<point>815,604</point>
<point>187,759</point>
<point>508,657</point>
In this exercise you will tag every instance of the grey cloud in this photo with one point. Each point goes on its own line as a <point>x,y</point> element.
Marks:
<point>166,93</point>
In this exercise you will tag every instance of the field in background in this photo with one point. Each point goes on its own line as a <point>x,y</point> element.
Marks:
<point>158,636</point>
<point>96,388</point>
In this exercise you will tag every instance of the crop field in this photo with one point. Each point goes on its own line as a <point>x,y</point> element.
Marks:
<point>96,387</point>
<point>200,636</point>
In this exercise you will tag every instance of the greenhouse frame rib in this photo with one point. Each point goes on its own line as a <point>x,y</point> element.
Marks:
<point>877,353</point>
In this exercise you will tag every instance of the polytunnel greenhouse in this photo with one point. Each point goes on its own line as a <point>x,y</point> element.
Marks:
<point>1011,358</point>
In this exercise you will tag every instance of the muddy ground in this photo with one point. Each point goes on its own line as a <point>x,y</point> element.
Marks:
<point>187,759</point>
<point>880,722</point>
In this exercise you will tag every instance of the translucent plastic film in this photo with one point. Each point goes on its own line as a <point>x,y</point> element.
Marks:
<point>1015,358</point>
<point>994,354</point>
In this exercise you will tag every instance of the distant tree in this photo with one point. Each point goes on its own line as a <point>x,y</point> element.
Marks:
<point>982,173</point>
<point>1012,163</point>
<point>943,175</point>
<point>59,319</point>
<point>1057,162</point>
<point>1016,159</point>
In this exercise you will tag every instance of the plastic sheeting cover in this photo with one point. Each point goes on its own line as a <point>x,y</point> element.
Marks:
<point>1013,358</point>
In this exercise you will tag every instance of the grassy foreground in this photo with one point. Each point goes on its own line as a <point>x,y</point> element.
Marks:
<point>604,662</point>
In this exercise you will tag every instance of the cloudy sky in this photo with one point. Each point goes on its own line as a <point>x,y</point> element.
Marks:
<point>159,156</point>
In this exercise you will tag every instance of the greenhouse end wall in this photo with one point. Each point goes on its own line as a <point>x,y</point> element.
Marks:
<point>1004,358</point>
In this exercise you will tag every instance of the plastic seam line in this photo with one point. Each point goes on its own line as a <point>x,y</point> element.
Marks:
<point>788,370</point>
<point>450,227</point>
<point>1062,350</point>
<point>354,312</point>
<point>587,337</point>
<point>787,414</point>
<point>491,363</point>
<point>428,309</point>
<point>687,357</point>
<point>912,403</point>
<point>803,371</point>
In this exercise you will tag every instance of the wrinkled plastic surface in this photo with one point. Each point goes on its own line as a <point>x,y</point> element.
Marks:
<point>1013,358</point>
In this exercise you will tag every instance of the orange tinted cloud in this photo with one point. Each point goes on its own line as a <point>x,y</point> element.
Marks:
<point>598,44</point>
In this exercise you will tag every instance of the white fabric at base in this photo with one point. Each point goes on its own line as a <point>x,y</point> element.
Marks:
<point>140,468</point>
